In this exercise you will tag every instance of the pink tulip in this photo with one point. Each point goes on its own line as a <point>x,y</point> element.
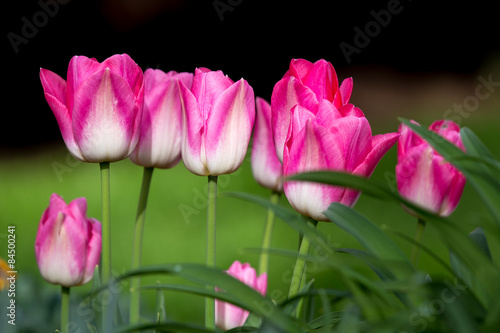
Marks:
<point>228,316</point>
<point>307,84</point>
<point>266,167</point>
<point>218,117</point>
<point>98,108</point>
<point>337,139</point>
<point>159,143</point>
<point>423,176</point>
<point>68,244</point>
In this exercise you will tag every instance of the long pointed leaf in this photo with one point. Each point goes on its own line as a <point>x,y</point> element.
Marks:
<point>250,299</point>
<point>474,145</point>
<point>369,235</point>
<point>166,327</point>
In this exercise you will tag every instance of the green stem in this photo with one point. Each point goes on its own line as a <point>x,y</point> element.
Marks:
<point>268,231</point>
<point>64,309</point>
<point>106,224</point>
<point>210,259</point>
<point>135,301</point>
<point>418,235</point>
<point>106,233</point>
<point>299,269</point>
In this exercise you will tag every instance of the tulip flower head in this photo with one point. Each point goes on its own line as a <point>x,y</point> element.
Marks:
<point>68,244</point>
<point>316,128</point>
<point>228,316</point>
<point>423,176</point>
<point>159,143</point>
<point>98,108</point>
<point>307,84</point>
<point>266,167</point>
<point>218,117</point>
<point>334,139</point>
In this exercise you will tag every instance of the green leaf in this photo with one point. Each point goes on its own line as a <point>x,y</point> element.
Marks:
<point>473,145</point>
<point>246,297</point>
<point>351,320</point>
<point>328,319</point>
<point>373,187</point>
<point>293,219</point>
<point>423,248</point>
<point>161,315</point>
<point>463,272</point>
<point>479,238</point>
<point>195,290</point>
<point>325,302</point>
<point>166,327</point>
<point>473,259</point>
<point>459,312</point>
<point>371,238</point>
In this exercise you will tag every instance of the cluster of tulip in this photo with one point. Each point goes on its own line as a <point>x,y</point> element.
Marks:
<point>110,111</point>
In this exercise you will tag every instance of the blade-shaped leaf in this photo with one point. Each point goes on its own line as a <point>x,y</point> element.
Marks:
<point>473,145</point>
<point>249,298</point>
<point>166,327</point>
<point>371,238</point>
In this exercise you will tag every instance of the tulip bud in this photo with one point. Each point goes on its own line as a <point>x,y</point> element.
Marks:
<point>333,139</point>
<point>307,84</point>
<point>68,244</point>
<point>266,167</point>
<point>159,143</point>
<point>98,108</point>
<point>228,316</point>
<point>218,117</point>
<point>423,176</point>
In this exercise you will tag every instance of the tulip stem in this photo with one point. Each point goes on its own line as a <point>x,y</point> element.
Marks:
<point>210,259</point>
<point>268,231</point>
<point>65,309</point>
<point>106,233</point>
<point>298,274</point>
<point>416,248</point>
<point>134,310</point>
<point>106,224</point>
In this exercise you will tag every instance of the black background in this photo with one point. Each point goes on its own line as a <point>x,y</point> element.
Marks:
<point>252,39</point>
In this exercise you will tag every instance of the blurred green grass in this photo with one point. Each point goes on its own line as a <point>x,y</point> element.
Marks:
<point>175,219</point>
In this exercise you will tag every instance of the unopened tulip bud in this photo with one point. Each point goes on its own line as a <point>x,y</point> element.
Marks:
<point>68,244</point>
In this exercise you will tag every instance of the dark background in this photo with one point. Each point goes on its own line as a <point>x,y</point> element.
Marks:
<point>243,38</point>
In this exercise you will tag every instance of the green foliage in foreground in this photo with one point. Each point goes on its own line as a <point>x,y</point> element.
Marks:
<point>398,297</point>
<point>401,298</point>
<point>395,296</point>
